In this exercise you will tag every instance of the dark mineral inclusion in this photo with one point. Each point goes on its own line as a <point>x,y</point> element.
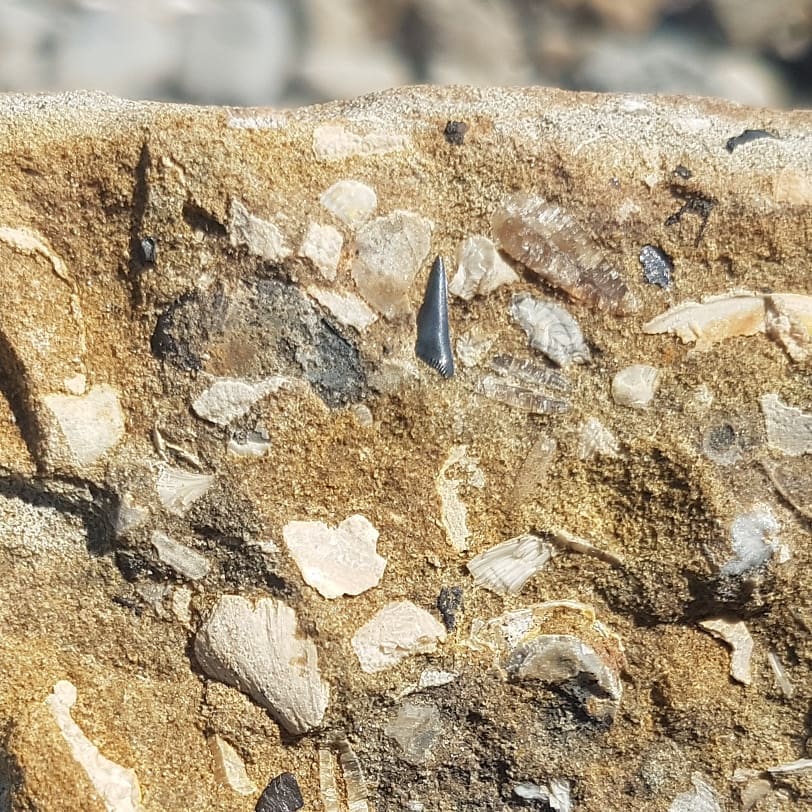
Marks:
<point>281,795</point>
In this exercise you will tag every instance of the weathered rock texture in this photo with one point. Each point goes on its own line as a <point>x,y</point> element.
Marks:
<point>149,253</point>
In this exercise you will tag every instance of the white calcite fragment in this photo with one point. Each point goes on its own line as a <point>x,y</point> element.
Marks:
<point>472,347</point>
<point>258,650</point>
<point>262,238</point>
<point>789,322</point>
<point>802,765</point>
<point>183,560</point>
<point>432,678</point>
<point>480,269</point>
<point>550,329</point>
<point>336,560</point>
<point>782,680</point>
<point>350,201</point>
<point>229,768</point>
<point>789,430</point>
<point>416,728</point>
<point>634,386</point>
<point>333,142</point>
<point>754,540</point>
<point>117,786</point>
<point>90,424</point>
<point>736,635</point>
<point>178,489</point>
<point>328,786</point>
<point>453,512</point>
<point>322,246</point>
<point>390,251</point>
<point>228,399</point>
<point>595,440</point>
<point>702,798</point>
<point>556,793</point>
<point>507,567</point>
<point>347,308</point>
<point>181,605</point>
<point>130,515</point>
<point>712,320</point>
<point>399,630</point>
<point>252,443</point>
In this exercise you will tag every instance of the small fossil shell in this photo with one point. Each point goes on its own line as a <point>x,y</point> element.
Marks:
<point>177,489</point>
<point>520,396</point>
<point>793,480</point>
<point>634,386</point>
<point>789,322</point>
<point>552,244</point>
<point>507,567</point>
<point>737,636</point>
<point>551,330</point>
<point>595,440</point>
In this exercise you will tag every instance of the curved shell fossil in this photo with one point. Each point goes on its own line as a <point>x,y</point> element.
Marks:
<point>551,330</point>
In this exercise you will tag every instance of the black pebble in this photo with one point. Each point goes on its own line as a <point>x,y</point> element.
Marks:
<point>449,602</point>
<point>747,137</point>
<point>683,172</point>
<point>281,795</point>
<point>433,345</point>
<point>149,250</point>
<point>455,132</point>
<point>657,265</point>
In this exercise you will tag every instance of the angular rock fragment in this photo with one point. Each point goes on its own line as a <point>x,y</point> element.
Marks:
<point>780,673</point>
<point>399,630</point>
<point>322,246</point>
<point>281,795</point>
<point>336,561</point>
<point>258,650</point>
<point>556,793</point>
<point>634,386</point>
<point>702,798</point>
<point>389,252</point>
<point>262,238</point>
<point>454,513</point>
<point>551,330</point>
<point>416,728</point>
<point>789,322</point>
<point>229,768</point>
<point>552,244</point>
<point>184,561</point>
<point>480,269</point>
<point>228,399</point>
<point>595,440</point>
<point>736,635</point>
<point>350,201</point>
<point>789,430</point>
<point>449,602</point>
<point>178,489</point>
<point>117,786</point>
<point>507,567</point>
<point>346,308</point>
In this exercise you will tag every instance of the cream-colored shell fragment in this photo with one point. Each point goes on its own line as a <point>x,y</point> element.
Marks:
<point>595,440</point>
<point>789,430</point>
<point>333,142</point>
<point>789,322</point>
<point>453,512</point>
<point>339,560</point>
<point>389,252</point>
<point>258,650</point>
<point>550,330</point>
<point>229,768</point>
<point>480,269</point>
<point>350,201</point>
<point>702,798</point>
<point>347,308</point>
<point>736,635</point>
<point>399,630</point>
<point>322,246</point>
<point>178,489</point>
<point>228,399</point>
<point>261,237</point>
<point>90,424</point>
<point>634,386</point>
<point>507,567</point>
<point>117,786</point>
<point>182,559</point>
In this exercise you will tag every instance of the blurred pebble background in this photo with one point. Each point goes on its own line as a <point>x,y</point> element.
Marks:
<point>292,52</point>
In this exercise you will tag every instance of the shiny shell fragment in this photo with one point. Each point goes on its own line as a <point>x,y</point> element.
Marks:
<point>550,329</point>
<point>555,246</point>
<point>507,567</point>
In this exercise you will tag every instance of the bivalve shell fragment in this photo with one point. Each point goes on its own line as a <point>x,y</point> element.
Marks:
<point>550,329</point>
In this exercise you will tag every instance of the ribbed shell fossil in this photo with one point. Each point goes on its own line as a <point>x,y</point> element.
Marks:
<point>551,330</point>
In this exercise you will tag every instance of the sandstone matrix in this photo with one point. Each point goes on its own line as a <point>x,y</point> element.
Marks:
<point>152,253</point>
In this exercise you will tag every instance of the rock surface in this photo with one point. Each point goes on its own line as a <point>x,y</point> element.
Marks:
<point>135,389</point>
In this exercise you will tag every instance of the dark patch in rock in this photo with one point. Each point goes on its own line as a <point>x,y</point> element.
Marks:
<point>683,172</point>
<point>132,565</point>
<point>696,204</point>
<point>454,132</point>
<point>657,266</point>
<point>149,250</point>
<point>449,602</point>
<point>246,566</point>
<point>747,137</point>
<point>281,795</point>
<point>198,219</point>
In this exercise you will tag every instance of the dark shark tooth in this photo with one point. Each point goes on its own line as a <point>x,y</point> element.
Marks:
<point>433,345</point>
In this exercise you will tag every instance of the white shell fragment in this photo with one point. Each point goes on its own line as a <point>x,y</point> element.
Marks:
<point>262,238</point>
<point>754,540</point>
<point>258,650</point>
<point>802,765</point>
<point>254,443</point>
<point>550,329</point>
<point>178,489</point>
<point>333,142</point>
<point>336,561</point>
<point>634,386</point>
<point>789,322</point>
<point>736,635</point>
<point>595,440</point>
<point>702,798</point>
<point>229,768</point>
<point>472,347</point>
<point>480,269</point>
<point>90,424</point>
<point>350,201</point>
<point>117,786</point>
<point>453,512</point>
<point>780,673</point>
<point>347,308</point>
<point>322,246</point>
<point>184,561</point>
<point>228,399</point>
<point>556,793</point>
<point>399,630</point>
<point>789,430</point>
<point>390,251</point>
<point>328,786</point>
<point>507,567</point>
